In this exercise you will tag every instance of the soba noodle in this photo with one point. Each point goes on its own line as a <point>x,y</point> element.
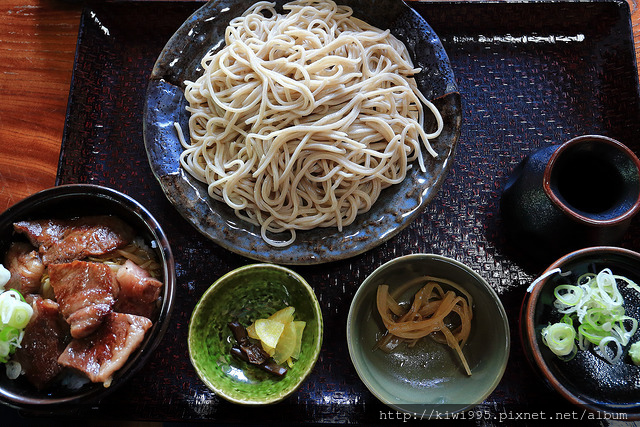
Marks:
<point>303,118</point>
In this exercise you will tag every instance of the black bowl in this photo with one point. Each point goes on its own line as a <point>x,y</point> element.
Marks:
<point>74,200</point>
<point>587,380</point>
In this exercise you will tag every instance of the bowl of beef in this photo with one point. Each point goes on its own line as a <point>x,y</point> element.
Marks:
<point>94,273</point>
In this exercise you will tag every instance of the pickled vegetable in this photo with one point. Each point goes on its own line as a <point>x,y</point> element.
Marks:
<point>280,335</point>
<point>269,331</point>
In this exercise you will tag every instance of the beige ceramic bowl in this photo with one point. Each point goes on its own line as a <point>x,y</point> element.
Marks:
<point>429,376</point>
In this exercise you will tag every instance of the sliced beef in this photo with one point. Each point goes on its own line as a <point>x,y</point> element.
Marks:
<point>25,266</point>
<point>100,355</point>
<point>67,240</point>
<point>139,292</point>
<point>45,338</point>
<point>85,292</point>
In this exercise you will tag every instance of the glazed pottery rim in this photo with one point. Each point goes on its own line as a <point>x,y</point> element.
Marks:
<point>572,213</point>
<point>317,313</point>
<point>216,221</point>
<point>529,307</point>
<point>141,356</point>
<point>441,258</point>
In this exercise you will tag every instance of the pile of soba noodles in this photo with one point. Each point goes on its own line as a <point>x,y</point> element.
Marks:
<point>302,118</point>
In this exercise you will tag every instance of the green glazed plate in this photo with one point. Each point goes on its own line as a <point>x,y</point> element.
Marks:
<point>246,294</point>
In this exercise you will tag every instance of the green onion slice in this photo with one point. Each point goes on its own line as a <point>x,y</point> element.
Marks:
<point>15,314</point>
<point>598,306</point>
<point>560,338</point>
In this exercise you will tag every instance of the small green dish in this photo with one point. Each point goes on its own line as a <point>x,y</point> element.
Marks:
<point>429,376</point>
<point>248,293</point>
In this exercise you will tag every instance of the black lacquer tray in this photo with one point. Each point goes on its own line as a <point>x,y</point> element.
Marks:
<point>530,74</point>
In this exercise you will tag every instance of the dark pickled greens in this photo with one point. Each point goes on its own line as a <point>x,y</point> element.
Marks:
<point>250,352</point>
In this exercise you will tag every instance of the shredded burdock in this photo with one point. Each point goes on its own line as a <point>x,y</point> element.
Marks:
<point>443,315</point>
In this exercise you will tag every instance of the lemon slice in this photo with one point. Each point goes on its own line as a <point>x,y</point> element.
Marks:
<point>251,331</point>
<point>269,331</point>
<point>286,344</point>
<point>299,327</point>
<point>279,334</point>
<point>269,350</point>
<point>285,315</point>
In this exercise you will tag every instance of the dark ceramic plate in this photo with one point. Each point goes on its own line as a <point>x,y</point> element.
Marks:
<point>587,380</point>
<point>67,201</point>
<point>396,207</point>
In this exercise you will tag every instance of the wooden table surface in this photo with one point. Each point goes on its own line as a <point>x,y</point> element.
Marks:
<point>37,46</point>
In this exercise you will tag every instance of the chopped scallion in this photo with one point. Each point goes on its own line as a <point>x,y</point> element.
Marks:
<point>597,304</point>
<point>15,314</point>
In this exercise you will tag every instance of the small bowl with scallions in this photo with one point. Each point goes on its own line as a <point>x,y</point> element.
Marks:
<point>580,328</point>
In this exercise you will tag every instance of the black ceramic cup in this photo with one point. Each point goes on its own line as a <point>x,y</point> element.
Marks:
<point>565,197</point>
